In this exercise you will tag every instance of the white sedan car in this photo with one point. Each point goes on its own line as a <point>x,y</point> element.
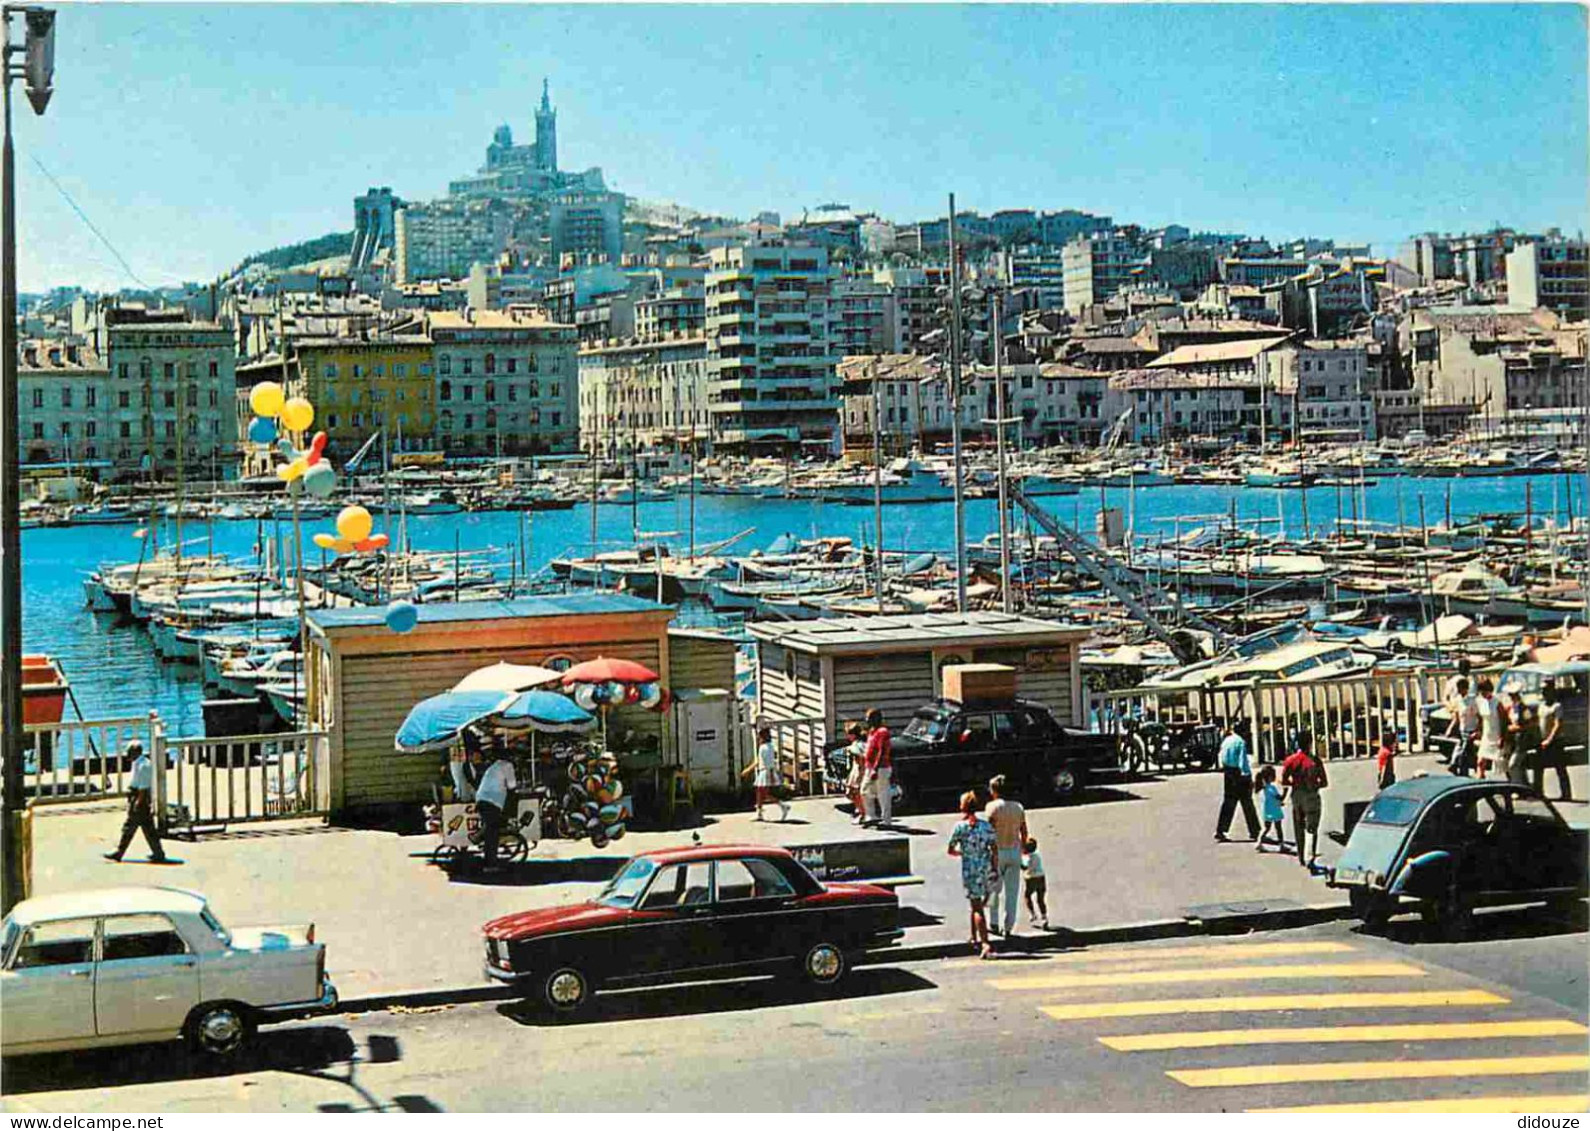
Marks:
<point>136,964</point>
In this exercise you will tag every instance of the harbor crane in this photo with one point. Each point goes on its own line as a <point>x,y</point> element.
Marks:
<point>1099,563</point>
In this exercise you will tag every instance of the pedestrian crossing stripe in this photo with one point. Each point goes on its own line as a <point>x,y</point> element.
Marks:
<point>1162,976</point>
<point>1439,1031</point>
<point>1258,1003</point>
<point>1234,951</point>
<point>1468,1105</point>
<point>1252,1074</point>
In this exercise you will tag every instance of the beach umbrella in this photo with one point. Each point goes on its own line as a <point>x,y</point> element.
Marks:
<point>435,723</point>
<point>544,711</point>
<point>604,669</point>
<point>507,677</point>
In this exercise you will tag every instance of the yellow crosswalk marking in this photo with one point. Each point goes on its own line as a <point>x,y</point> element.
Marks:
<point>1439,1031</point>
<point>1474,1105</point>
<point>1216,951</point>
<point>1402,999</point>
<point>1248,1074</point>
<point>1210,974</point>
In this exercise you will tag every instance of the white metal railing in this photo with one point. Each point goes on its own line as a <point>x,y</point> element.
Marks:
<point>1347,718</point>
<point>250,777</point>
<point>799,743</point>
<point>87,759</point>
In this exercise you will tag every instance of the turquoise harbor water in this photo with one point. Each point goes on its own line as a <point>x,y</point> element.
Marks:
<point>114,671</point>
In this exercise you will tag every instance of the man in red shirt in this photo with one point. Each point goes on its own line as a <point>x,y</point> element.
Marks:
<point>1304,776</point>
<point>879,764</point>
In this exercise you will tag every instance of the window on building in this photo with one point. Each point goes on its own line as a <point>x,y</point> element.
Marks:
<point>557,419</point>
<point>535,390</point>
<point>215,398</point>
<point>469,392</point>
<point>91,397</point>
<point>491,363</point>
<point>513,365</point>
<point>469,366</point>
<point>358,420</point>
<point>491,392</point>
<point>513,390</point>
<point>215,369</point>
<point>38,398</point>
<point>38,429</point>
<point>331,420</point>
<point>445,365</point>
<point>170,398</point>
<point>90,428</point>
<point>121,371</point>
<point>557,390</point>
<point>66,396</point>
<point>169,370</point>
<point>193,397</point>
<point>447,391</point>
<point>125,429</point>
<point>171,429</point>
<point>330,371</point>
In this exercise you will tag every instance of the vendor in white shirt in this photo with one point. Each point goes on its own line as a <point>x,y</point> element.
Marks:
<point>491,798</point>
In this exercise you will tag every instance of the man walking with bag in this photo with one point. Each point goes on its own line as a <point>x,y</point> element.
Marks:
<point>1237,773</point>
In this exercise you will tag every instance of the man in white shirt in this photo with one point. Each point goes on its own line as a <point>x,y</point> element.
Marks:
<point>1490,716</point>
<point>140,809</point>
<point>1465,711</point>
<point>491,798</point>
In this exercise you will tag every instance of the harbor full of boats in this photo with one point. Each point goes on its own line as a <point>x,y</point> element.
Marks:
<point>785,541</point>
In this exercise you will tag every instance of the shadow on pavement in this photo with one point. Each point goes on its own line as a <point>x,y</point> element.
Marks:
<point>699,998</point>
<point>302,1050</point>
<point>526,873</point>
<point>1494,926</point>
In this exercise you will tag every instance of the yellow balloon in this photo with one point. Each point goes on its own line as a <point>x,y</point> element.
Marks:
<point>326,541</point>
<point>354,523</point>
<point>345,547</point>
<point>297,414</point>
<point>266,399</point>
<point>293,470</point>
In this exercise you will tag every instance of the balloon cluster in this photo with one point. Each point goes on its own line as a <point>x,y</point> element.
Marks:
<point>614,693</point>
<point>275,413</point>
<point>591,802</point>
<point>353,533</point>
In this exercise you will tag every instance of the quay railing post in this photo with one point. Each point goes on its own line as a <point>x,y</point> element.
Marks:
<point>157,760</point>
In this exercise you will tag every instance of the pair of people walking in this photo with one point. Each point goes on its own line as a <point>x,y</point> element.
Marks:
<point>994,849</point>
<point>870,782</point>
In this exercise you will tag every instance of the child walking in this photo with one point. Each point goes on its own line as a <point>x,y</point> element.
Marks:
<point>1037,884</point>
<point>1274,814</point>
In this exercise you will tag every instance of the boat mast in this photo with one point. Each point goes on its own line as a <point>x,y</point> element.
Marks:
<point>877,479</point>
<point>955,418</point>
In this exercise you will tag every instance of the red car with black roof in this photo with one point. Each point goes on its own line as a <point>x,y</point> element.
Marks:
<point>702,911</point>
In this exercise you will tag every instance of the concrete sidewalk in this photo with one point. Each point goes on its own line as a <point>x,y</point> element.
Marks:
<point>1135,859</point>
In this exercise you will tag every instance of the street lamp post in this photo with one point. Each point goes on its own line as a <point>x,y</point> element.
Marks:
<point>37,68</point>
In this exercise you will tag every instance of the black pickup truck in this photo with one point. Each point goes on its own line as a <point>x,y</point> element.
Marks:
<point>948,748</point>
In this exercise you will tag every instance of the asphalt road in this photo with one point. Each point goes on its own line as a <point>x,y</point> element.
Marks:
<point>1205,1024</point>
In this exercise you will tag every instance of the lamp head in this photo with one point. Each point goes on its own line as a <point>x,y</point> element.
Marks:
<point>38,66</point>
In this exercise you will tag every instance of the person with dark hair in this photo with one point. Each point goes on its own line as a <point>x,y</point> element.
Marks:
<point>856,751</point>
<point>1550,754</point>
<point>491,800</point>
<point>140,807</point>
<point>1303,775</point>
<point>1492,728</point>
<point>768,776</point>
<point>876,782</point>
<point>1237,781</point>
<point>973,840</point>
<point>1522,737</point>
<point>1465,711</point>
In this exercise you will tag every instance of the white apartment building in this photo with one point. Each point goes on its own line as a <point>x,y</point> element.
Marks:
<point>1335,399</point>
<point>506,382</point>
<point>173,385</point>
<point>1094,267</point>
<point>861,317</point>
<point>644,393</point>
<point>770,364</point>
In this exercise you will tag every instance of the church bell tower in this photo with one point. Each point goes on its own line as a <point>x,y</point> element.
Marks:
<point>546,133</point>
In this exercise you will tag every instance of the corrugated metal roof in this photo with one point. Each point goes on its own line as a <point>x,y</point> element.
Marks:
<point>573,604</point>
<point>887,633</point>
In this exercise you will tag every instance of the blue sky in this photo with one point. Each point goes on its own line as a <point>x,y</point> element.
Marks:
<point>195,134</point>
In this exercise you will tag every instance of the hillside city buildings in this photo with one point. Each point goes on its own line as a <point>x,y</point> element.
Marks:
<point>533,311</point>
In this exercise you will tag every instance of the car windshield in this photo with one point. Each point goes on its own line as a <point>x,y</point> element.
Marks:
<point>926,726</point>
<point>623,889</point>
<point>1386,810</point>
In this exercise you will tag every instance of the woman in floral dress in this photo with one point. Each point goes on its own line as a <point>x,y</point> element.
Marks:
<point>973,841</point>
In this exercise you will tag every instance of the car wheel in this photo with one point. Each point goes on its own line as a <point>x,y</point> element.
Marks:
<point>220,1029</point>
<point>1370,907</point>
<point>566,990</point>
<point>1068,781</point>
<point>824,964</point>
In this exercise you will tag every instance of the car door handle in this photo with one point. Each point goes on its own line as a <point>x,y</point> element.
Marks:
<point>79,973</point>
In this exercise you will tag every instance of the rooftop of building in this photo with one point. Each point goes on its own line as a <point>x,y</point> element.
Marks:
<point>1245,349</point>
<point>523,608</point>
<point>513,318</point>
<point>53,357</point>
